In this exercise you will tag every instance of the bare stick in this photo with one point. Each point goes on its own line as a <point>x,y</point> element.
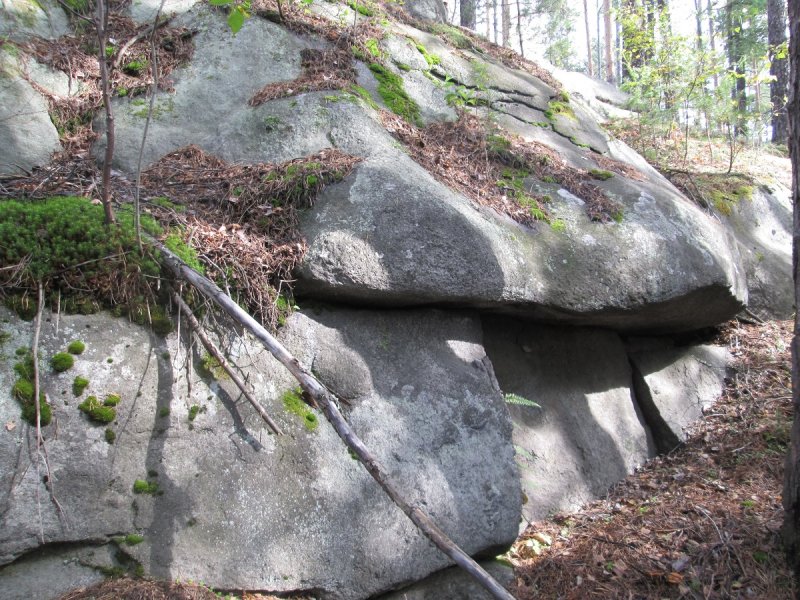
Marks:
<point>327,402</point>
<point>214,351</point>
<point>37,326</point>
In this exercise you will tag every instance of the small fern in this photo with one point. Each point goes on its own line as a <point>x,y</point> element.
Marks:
<point>520,401</point>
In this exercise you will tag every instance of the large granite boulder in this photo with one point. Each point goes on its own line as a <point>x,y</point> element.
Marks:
<point>236,507</point>
<point>29,136</point>
<point>588,431</point>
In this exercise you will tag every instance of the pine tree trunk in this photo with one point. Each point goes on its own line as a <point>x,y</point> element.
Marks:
<point>589,66</point>
<point>776,28</point>
<point>506,4</point>
<point>791,489</point>
<point>467,13</point>
<point>519,30</point>
<point>608,41</point>
<point>711,38</point>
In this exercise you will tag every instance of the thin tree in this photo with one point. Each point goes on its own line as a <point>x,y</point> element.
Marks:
<point>506,16</point>
<point>608,40</point>
<point>519,29</point>
<point>589,66</point>
<point>778,69</point>
<point>791,489</point>
<point>101,24</point>
<point>467,13</point>
<point>711,38</point>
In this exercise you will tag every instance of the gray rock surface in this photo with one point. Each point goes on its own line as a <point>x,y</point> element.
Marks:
<point>673,386</point>
<point>391,235</point>
<point>22,19</point>
<point>29,136</point>
<point>427,10</point>
<point>238,508</point>
<point>454,584</point>
<point>762,225</point>
<point>588,432</point>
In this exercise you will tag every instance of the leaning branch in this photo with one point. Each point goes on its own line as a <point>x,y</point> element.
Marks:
<point>214,351</point>
<point>327,402</point>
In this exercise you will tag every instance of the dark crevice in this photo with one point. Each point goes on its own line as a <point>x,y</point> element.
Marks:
<point>664,438</point>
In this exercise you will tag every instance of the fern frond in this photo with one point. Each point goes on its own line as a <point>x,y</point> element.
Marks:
<point>520,401</point>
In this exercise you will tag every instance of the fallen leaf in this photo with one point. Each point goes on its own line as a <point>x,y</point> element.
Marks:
<point>674,578</point>
<point>10,426</point>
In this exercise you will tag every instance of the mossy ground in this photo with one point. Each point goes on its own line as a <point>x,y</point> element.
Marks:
<point>293,402</point>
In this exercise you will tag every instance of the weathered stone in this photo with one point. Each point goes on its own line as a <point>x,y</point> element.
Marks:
<point>762,225</point>
<point>673,386</point>
<point>238,508</point>
<point>587,433</point>
<point>22,19</point>
<point>144,11</point>
<point>392,235</point>
<point>29,136</point>
<point>427,10</point>
<point>454,584</point>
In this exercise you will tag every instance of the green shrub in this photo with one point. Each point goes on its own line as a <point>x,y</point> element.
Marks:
<point>61,362</point>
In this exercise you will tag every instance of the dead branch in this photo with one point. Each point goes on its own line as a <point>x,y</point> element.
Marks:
<point>327,403</point>
<point>214,351</point>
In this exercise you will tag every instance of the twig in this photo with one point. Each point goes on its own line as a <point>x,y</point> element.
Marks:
<point>327,403</point>
<point>142,34</point>
<point>214,351</point>
<point>37,326</point>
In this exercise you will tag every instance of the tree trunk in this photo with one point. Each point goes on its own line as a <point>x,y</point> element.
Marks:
<point>467,14</point>
<point>733,24</point>
<point>698,16</point>
<point>506,5</point>
<point>608,41</point>
<point>776,27</point>
<point>519,30</point>
<point>494,19</point>
<point>791,489</point>
<point>589,66</point>
<point>102,40</point>
<point>711,38</point>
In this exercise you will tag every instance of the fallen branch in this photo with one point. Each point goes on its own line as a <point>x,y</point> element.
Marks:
<point>214,351</point>
<point>327,403</point>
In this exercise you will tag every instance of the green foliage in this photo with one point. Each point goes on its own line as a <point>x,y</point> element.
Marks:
<point>110,435</point>
<point>195,410</point>
<point>163,411</point>
<point>140,486</point>
<point>62,361</point>
<point>79,384</point>
<point>135,68</point>
<point>390,88</point>
<point>45,412</point>
<point>239,12</point>
<point>293,402</point>
<point>212,366</point>
<point>362,93</point>
<point>461,96</point>
<point>76,347</point>
<point>373,47</point>
<point>520,401</point>
<point>96,411</point>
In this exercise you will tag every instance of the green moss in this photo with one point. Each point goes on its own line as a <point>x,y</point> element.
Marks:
<point>293,402</point>
<point>194,410</point>
<point>600,174</point>
<point>362,93</point>
<point>76,347</point>
<point>212,366</point>
<point>165,202</point>
<point>373,47</point>
<point>96,411</point>
<point>430,58</point>
<point>22,390</point>
<point>160,321</point>
<point>558,225</point>
<point>163,411</point>
<point>362,7</point>
<point>79,384</point>
<point>559,106</point>
<point>24,367</point>
<point>112,400</point>
<point>390,88</point>
<point>140,486</point>
<point>133,538</point>
<point>61,362</point>
<point>403,66</point>
<point>187,254</point>
<point>135,68</point>
<point>45,412</point>
<point>453,35</point>
<point>4,337</point>
<point>110,435</point>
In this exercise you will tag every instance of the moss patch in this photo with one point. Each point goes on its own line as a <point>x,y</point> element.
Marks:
<point>559,106</point>
<point>293,402</point>
<point>390,88</point>
<point>61,362</point>
<point>79,384</point>
<point>76,347</point>
<point>600,174</point>
<point>97,411</point>
<point>140,486</point>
